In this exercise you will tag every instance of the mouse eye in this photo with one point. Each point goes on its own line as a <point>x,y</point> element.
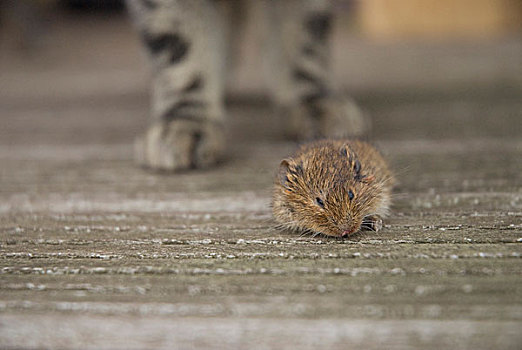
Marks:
<point>319,202</point>
<point>350,194</point>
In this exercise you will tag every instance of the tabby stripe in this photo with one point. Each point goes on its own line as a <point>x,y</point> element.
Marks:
<point>319,25</point>
<point>313,98</point>
<point>186,110</point>
<point>302,75</point>
<point>194,85</point>
<point>149,4</point>
<point>174,44</point>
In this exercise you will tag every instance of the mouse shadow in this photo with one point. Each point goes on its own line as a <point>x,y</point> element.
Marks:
<point>356,237</point>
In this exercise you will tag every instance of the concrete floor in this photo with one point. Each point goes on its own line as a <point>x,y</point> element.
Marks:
<point>99,254</point>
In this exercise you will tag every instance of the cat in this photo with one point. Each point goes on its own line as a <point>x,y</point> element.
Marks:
<point>186,42</point>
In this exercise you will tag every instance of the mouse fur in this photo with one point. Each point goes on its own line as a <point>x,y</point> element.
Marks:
<point>333,187</point>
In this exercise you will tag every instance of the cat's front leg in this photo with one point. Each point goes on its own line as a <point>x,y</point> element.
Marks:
<point>302,83</point>
<point>185,44</point>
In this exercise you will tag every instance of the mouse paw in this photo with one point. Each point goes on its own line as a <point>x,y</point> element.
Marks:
<point>372,223</point>
<point>180,145</point>
<point>327,117</point>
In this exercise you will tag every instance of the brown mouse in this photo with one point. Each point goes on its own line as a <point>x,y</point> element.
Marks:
<point>333,187</point>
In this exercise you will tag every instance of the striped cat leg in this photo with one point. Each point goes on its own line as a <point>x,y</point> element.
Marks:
<point>303,86</point>
<point>184,40</point>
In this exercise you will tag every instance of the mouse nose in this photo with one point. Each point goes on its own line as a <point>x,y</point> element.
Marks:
<point>346,233</point>
<point>349,228</point>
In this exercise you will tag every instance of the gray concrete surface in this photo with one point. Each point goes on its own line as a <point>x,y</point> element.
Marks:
<point>98,254</point>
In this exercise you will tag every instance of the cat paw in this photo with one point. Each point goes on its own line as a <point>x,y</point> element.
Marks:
<point>180,145</point>
<point>325,118</point>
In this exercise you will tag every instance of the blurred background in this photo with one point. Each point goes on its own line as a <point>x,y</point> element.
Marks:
<point>64,63</point>
<point>409,63</point>
<point>65,48</point>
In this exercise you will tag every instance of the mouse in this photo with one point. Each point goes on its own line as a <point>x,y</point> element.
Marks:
<point>333,187</point>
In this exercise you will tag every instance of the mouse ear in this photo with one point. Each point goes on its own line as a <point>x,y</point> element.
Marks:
<point>345,150</point>
<point>282,173</point>
<point>288,167</point>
